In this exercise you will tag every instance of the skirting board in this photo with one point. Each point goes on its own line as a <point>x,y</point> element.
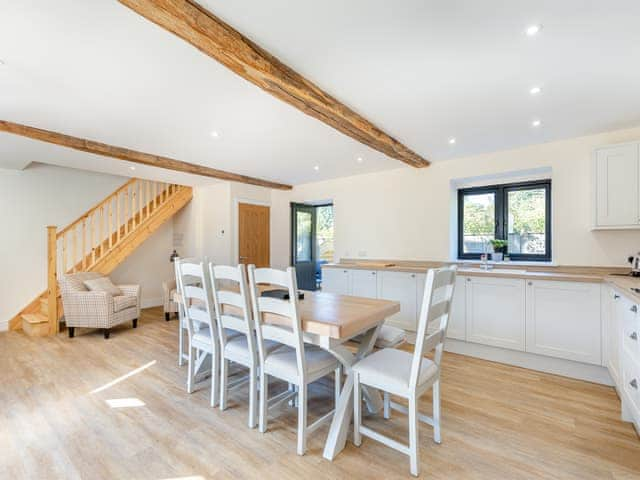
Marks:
<point>151,302</point>
<point>557,366</point>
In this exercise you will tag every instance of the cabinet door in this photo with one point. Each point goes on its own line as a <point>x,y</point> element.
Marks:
<point>335,280</point>
<point>364,283</point>
<point>563,320</point>
<point>458,315</point>
<point>617,182</point>
<point>401,287</point>
<point>496,311</point>
<point>629,328</point>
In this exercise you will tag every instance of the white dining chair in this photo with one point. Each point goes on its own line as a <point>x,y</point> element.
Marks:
<point>295,363</point>
<point>236,332</point>
<point>409,375</point>
<point>197,305</point>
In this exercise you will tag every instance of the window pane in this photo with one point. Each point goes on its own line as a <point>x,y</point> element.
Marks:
<point>303,234</point>
<point>526,226</point>
<point>324,233</point>
<point>479,221</point>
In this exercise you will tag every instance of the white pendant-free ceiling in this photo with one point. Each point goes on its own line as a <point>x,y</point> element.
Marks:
<point>423,71</point>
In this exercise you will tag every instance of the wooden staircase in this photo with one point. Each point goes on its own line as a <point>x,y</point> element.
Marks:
<point>98,241</point>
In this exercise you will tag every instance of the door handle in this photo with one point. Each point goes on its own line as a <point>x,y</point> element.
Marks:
<point>616,296</point>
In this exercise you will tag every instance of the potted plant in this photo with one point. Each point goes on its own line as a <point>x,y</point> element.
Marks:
<point>499,249</point>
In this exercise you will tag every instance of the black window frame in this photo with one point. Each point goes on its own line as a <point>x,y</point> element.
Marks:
<point>501,193</point>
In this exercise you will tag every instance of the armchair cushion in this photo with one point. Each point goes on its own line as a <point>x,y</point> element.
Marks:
<point>102,284</point>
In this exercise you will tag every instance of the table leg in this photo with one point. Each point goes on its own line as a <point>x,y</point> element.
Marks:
<point>342,417</point>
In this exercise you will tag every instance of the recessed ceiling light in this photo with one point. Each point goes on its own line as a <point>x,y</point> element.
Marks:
<point>536,123</point>
<point>535,90</point>
<point>533,30</point>
<point>359,160</point>
<point>452,141</point>
<point>316,168</point>
<point>215,134</point>
<point>132,168</point>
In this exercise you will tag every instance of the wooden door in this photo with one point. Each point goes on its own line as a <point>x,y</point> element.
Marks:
<point>253,236</point>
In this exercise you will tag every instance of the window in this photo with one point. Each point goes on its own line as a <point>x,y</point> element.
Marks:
<point>519,213</point>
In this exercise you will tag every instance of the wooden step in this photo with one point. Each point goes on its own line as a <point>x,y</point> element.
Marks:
<point>35,324</point>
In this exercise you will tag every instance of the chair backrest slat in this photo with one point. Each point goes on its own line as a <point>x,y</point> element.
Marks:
<point>291,334</point>
<point>436,306</point>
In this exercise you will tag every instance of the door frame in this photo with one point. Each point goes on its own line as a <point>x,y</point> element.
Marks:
<point>236,223</point>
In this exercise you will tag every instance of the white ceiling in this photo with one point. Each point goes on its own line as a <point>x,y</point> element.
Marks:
<point>424,71</point>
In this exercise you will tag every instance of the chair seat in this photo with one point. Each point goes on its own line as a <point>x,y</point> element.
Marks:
<point>282,363</point>
<point>237,348</point>
<point>389,370</point>
<point>390,337</point>
<point>202,334</point>
<point>120,302</point>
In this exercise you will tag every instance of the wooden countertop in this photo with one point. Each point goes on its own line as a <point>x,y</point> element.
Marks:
<point>508,270</point>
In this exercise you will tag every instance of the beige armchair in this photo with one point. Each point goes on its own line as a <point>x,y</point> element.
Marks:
<point>169,297</point>
<point>95,309</point>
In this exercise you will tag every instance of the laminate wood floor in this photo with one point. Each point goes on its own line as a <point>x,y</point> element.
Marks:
<point>499,422</point>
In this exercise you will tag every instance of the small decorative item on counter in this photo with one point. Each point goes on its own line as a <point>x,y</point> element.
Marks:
<point>499,249</point>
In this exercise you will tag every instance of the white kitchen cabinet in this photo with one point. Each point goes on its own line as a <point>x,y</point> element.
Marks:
<point>563,320</point>
<point>496,312</point>
<point>458,314</point>
<point>617,186</point>
<point>364,283</point>
<point>629,327</point>
<point>336,280</point>
<point>401,287</point>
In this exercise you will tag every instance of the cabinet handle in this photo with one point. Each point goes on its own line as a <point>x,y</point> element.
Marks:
<point>634,383</point>
<point>413,275</point>
<point>344,271</point>
<point>634,309</point>
<point>633,336</point>
<point>468,279</point>
<point>616,296</point>
<point>530,284</point>
<point>373,273</point>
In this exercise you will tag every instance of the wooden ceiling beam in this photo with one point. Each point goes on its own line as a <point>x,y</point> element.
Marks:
<point>196,25</point>
<point>134,156</point>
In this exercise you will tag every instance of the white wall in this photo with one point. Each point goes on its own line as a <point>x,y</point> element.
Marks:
<point>405,214</point>
<point>49,195</point>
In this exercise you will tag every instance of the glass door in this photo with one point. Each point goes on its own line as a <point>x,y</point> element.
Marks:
<point>303,248</point>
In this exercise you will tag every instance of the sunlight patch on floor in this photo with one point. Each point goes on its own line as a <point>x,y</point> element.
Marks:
<point>125,402</point>
<point>123,377</point>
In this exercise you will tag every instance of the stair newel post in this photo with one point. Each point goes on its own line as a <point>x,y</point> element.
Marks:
<point>52,282</point>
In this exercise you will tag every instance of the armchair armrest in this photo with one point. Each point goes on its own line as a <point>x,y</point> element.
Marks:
<point>132,290</point>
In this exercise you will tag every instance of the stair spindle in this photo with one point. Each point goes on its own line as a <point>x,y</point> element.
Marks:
<point>126,211</point>
<point>64,252</point>
<point>92,246</point>
<point>84,243</point>
<point>110,214</point>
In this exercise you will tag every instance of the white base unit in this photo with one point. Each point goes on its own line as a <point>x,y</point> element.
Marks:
<point>364,283</point>
<point>401,287</point>
<point>563,320</point>
<point>496,312</point>
<point>336,280</point>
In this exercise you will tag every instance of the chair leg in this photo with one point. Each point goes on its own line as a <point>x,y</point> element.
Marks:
<point>337,385</point>
<point>72,331</point>
<point>180,344</point>
<point>215,376</point>
<point>107,332</point>
<point>413,435</point>
<point>296,399</point>
<point>302,419</point>
<point>291,388</point>
<point>436,412</point>
<point>135,323</point>
<point>191,369</point>
<point>167,316</point>
<point>252,397</point>
<point>387,405</point>
<point>224,366</point>
<point>264,395</point>
<point>357,411</point>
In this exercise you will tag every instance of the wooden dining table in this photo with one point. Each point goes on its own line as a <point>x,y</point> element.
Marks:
<point>329,321</point>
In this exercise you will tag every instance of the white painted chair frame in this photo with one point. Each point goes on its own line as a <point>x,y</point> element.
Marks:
<point>241,324</point>
<point>291,337</point>
<point>200,312</point>
<point>435,308</point>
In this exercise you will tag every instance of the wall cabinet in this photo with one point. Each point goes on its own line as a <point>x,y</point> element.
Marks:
<point>496,312</point>
<point>617,186</point>
<point>563,320</point>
